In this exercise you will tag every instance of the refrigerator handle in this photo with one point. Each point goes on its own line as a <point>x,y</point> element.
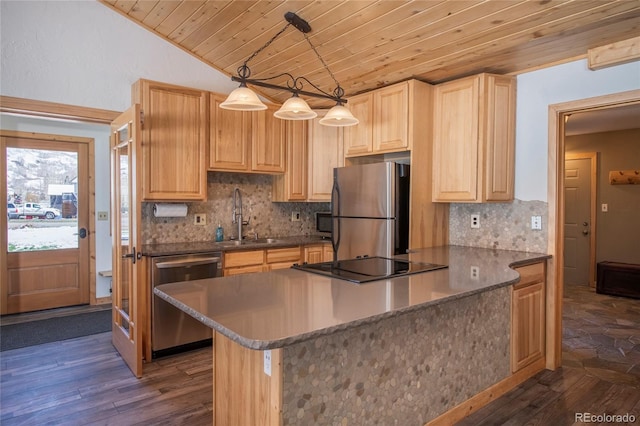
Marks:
<point>335,219</point>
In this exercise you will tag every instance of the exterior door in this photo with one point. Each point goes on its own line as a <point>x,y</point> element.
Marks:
<point>577,226</point>
<point>128,299</point>
<point>46,239</point>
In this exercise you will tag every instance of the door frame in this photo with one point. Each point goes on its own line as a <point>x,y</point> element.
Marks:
<point>555,198</point>
<point>36,108</point>
<point>593,191</point>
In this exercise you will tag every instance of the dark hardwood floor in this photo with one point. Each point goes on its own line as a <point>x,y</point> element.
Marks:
<point>83,381</point>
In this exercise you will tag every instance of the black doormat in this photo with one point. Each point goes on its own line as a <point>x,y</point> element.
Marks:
<point>14,336</point>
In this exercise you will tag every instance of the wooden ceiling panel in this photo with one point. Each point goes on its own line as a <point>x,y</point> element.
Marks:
<point>369,43</point>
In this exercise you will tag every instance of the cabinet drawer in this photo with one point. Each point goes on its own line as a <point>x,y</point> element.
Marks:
<point>242,270</point>
<point>243,258</point>
<point>283,254</point>
<point>530,274</point>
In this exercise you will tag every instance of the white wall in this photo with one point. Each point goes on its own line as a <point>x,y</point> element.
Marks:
<point>539,89</point>
<point>83,53</point>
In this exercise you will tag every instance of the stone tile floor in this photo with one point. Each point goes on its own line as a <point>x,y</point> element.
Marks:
<point>601,335</point>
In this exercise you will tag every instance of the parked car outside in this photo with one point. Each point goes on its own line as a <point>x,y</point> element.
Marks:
<point>31,210</point>
<point>12,211</point>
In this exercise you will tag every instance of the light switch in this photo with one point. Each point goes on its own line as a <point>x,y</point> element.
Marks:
<point>605,208</point>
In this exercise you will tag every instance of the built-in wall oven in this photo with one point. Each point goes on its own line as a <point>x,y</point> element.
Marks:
<point>172,330</point>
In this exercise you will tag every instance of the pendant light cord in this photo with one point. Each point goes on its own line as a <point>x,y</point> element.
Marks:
<point>338,92</point>
<point>266,44</point>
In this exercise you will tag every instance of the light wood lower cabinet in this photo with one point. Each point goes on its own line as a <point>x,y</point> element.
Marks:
<point>528,316</point>
<point>317,253</point>
<point>253,261</point>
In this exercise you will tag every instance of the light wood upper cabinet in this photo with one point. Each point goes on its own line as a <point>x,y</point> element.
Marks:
<point>313,151</point>
<point>292,185</point>
<point>325,153</point>
<point>391,118</point>
<point>174,137</point>
<point>251,142</point>
<point>358,139</point>
<point>474,139</point>
<point>268,143</point>
<point>229,137</point>
<point>528,316</point>
<point>386,119</point>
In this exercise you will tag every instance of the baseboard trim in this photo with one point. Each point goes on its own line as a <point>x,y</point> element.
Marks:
<point>488,395</point>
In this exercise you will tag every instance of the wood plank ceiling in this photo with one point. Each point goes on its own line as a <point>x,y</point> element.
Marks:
<point>368,44</point>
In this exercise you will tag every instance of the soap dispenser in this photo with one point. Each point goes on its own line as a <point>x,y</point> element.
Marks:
<point>219,233</point>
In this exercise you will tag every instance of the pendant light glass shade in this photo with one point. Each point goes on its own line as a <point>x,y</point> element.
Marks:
<point>339,116</point>
<point>243,99</point>
<point>295,108</point>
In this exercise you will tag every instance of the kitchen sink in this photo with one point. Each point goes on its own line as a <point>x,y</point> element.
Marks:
<point>264,241</point>
<point>250,241</point>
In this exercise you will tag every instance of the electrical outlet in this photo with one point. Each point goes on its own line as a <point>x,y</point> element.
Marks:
<point>295,216</point>
<point>103,216</point>
<point>475,221</point>
<point>267,362</point>
<point>536,223</point>
<point>200,219</point>
<point>475,272</point>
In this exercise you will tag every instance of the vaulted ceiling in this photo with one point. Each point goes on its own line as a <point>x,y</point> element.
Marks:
<point>368,44</point>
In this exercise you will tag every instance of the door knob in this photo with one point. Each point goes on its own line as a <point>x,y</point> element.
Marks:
<point>82,233</point>
<point>585,223</point>
<point>585,232</point>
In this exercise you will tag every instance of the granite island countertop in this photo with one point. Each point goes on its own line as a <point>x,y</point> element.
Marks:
<point>280,308</point>
<point>170,249</point>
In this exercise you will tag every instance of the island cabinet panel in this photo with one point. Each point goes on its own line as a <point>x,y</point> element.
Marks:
<point>174,137</point>
<point>242,393</point>
<point>528,317</point>
<point>313,152</point>
<point>252,142</point>
<point>474,139</point>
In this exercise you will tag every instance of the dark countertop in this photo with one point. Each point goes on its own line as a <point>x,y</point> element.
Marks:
<point>152,250</point>
<point>279,308</point>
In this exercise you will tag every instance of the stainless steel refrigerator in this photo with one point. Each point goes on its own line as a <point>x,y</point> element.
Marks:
<point>370,210</point>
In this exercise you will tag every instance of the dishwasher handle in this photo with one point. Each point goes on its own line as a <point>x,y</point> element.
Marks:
<point>187,262</point>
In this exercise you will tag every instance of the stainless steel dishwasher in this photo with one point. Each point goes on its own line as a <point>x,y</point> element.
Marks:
<point>172,330</point>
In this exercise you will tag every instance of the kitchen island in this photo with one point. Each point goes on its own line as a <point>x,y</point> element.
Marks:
<point>292,347</point>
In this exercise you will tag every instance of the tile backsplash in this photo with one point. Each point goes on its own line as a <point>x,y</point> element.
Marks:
<point>504,226</point>
<point>266,218</point>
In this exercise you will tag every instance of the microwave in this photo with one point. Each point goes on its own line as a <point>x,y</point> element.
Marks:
<point>323,222</point>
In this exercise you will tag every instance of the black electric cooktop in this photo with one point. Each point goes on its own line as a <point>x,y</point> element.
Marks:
<point>366,269</point>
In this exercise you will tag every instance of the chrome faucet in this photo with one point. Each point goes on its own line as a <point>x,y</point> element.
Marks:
<point>236,217</point>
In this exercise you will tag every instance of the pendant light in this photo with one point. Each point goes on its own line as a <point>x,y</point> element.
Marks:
<point>243,99</point>
<point>339,116</point>
<point>295,108</point>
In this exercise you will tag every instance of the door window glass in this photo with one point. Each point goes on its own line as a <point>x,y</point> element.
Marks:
<point>42,201</point>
